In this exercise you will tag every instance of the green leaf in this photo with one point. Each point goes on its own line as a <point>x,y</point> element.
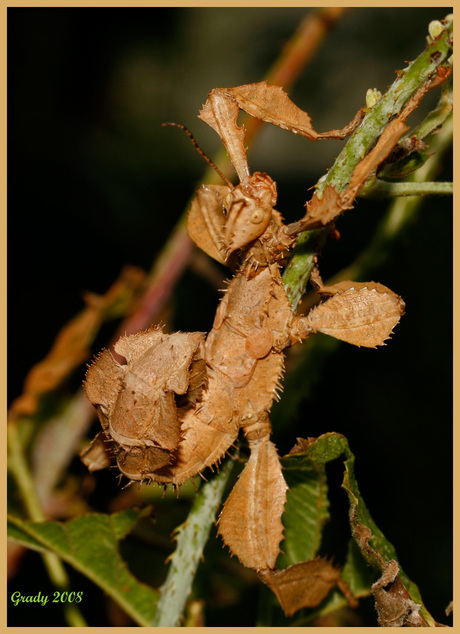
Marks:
<point>90,544</point>
<point>307,508</point>
<point>18,535</point>
<point>306,511</point>
<point>369,555</point>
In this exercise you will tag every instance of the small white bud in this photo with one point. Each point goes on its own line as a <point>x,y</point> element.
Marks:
<point>435,28</point>
<point>372,96</point>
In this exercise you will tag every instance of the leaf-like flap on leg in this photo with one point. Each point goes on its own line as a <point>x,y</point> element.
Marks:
<point>137,404</point>
<point>140,463</point>
<point>206,220</point>
<point>161,360</point>
<point>183,348</point>
<point>345,285</point>
<point>103,380</point>
<point>95,456</point>
<point>134,346</point>
<point>320,211</point>
<point>360,313</point>
<point>221,112</point>
<point>250,523</point>
<point>146,410</point>
<point>304,585</point>
<point>270,103</point>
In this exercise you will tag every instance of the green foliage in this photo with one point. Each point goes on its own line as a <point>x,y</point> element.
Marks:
<point>90,544</point>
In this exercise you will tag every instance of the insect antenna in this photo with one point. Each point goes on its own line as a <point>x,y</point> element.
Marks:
<point>200,151</point>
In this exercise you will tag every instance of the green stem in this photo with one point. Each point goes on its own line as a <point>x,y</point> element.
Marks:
<point>384,189</point>
<point>401,212</point>
<point>390,105</point>
<point>306,365</point>
<point>191,540</point>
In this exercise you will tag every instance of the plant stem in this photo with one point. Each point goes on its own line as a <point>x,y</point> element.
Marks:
<point>401,212</point>
<point>390,105</point>
<point>387,108</point>
<point>191,540</point>
<point>382,189</point>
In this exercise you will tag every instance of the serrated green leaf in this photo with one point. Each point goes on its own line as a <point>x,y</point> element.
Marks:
<point>306,511</point>
<point>16,534</point>
<point>304,518</point>
<point>307,508</point>
<point>96,557</point>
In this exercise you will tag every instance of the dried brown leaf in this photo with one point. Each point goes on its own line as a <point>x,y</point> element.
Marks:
<point>301,446</point>
<point>395,607</point>
<point>70,347</point>
<point>393,602</point>
<point>305,584</point>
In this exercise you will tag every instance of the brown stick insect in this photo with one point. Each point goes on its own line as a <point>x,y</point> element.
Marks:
<point>178,404</point>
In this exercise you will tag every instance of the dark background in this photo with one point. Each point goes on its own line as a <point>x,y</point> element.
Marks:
<point>95,182</point>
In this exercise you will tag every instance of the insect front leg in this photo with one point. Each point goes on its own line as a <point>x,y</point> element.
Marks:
<point>268,103</point>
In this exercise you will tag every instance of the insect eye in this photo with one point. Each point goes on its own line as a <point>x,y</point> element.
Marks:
<point>257,216</point>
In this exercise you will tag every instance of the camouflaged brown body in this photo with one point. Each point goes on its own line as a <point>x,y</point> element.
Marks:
<point>244,359</point>
<point>172,414</point>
